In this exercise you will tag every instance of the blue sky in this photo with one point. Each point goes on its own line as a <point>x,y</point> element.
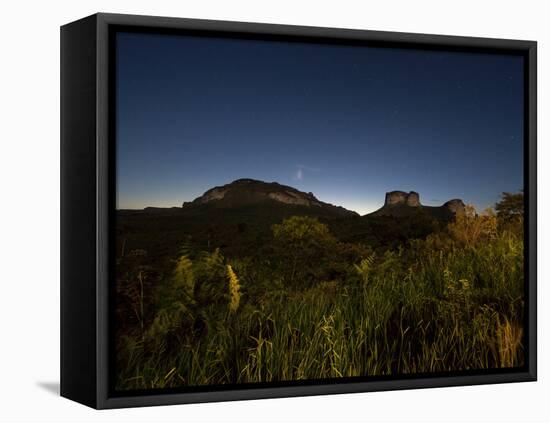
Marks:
<point>346,123</point>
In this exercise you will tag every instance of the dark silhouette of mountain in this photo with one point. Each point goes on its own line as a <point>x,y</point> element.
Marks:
<point>251,192</point>
<point>238,218</point>
<point>403,204</point>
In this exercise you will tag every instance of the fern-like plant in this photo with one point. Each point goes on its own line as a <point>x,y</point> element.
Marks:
<point>364,268</point>
<point>234,290</point>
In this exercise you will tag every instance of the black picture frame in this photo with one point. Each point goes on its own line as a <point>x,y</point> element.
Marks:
<point>87,198</point>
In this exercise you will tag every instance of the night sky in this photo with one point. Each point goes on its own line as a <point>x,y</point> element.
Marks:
<point>346,123</point>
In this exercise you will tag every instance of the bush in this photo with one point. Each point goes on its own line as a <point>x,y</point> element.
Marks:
<point>317,308</point>
<point>304,245</point>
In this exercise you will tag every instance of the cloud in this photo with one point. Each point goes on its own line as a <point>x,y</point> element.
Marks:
<point>301,170</point>
<point>311,169</point>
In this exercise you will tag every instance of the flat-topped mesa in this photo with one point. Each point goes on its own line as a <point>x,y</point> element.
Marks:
<point>411,199</point>
<point>251,190</point>
<point>405,204</point>
<point>248,192</point>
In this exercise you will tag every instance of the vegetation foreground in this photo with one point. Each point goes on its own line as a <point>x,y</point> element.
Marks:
<point>310,306</point>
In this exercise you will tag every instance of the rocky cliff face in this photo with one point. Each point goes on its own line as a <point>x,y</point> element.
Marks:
<point>411,199</point>
<point>402,204</point>
<point>248,192</point>
<point>455,206</point>
<point>245,192</point>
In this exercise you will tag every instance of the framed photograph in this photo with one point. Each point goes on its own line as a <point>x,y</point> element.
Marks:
<point>255,211</point>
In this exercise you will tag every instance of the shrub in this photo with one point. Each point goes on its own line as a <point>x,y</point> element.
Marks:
<point>303,244</point>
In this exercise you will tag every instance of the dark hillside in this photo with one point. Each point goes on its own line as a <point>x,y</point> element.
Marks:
<point>238,219</point>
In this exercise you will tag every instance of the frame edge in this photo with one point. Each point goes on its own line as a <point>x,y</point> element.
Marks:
<point>78,211</point>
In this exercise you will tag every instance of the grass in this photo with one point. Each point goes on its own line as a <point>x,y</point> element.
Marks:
<point>451,302</point>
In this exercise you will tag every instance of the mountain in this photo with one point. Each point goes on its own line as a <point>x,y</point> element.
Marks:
<point>403,204</point>
<point>238,218</point>
<point>251,192</point>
